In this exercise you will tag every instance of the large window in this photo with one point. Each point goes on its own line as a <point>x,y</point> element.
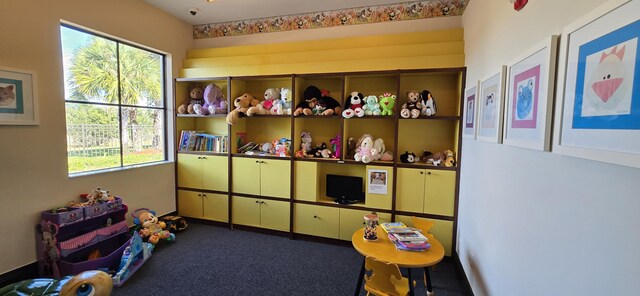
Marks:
<point>115,102</point>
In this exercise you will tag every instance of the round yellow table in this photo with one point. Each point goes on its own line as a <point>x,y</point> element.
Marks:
<point>384,250</point>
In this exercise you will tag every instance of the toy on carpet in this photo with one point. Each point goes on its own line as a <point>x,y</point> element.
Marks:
<point>214,101</point>
<point>413,107</point>
<point>387,104</point>
<point>371,106</point>
<point>132,258</point>
<point>91,282</point>
<point>241,104</point>
<point>282,106</point>
<point>428,103</point>
<point>366,151</point>
<point>353,105</point>
<point>196,97</point>
<point>407,157</point>
<point>174,223</point>
<point>314,98</point>
<point>336,146</point>
<point>351,148</point>
<point>271,95</point>
<point>151,228</point>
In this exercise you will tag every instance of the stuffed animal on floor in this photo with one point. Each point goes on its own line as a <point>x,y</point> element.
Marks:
<point>241,104</point>
<point>413,107</point>
<point>152,228</point>
<point>428,103</point>
<point>353,105</point>
<point>91,282</point>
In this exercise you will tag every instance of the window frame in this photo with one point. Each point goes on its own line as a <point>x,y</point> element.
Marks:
<point>121,106</point>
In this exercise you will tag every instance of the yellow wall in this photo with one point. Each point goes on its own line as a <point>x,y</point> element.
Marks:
<point>33,161</point>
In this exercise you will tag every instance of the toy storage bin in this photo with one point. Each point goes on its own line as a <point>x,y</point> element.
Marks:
<point>86,240</point>
<point>114,205</point>
<point>71,216</point>
<point>111,250</point>
<point>94,210</point>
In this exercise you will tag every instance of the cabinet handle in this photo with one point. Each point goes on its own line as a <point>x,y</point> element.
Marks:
<point>263,161</point>
<point>316,217</point>
<point>257,201</point>
<point>428,173</point>
<point>204,157</point>
<point>262,202</point>
<point>421,173</point>
<point>199,194</point>
<point>204,195</point>
<point>257,161</point>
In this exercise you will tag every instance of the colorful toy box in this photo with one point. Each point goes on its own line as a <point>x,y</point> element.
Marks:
<point>61,218</point>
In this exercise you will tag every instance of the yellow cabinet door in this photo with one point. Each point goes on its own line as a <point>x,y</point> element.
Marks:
<point>316,220</point>
<point>246,175</point>
<point>189,171</point>
<point>275,176</point>
<point>410,190</point>
<point>306,181</point>
<point>382,175</point>
<point>215,173</point>
<point>439,190</point>
<point>246,211</point>
<point>190,203</point>
<point>215,207</point>
<point>274,214</point>
<point>352,220</point>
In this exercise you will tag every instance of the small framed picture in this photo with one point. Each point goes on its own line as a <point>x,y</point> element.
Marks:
<point>491,105</point>
<point>598,101</point>
<point>529,99</point>
<point>470,111</point>
<point>377,181</point>
<point>18,104</point>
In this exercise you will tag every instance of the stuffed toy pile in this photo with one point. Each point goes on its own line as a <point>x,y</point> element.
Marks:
<point>315,102</point>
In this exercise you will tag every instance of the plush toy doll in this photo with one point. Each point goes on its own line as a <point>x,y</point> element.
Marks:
<point>271,96</point>
<point>449,159</point>
<point>371,106</point>
<point>378,144</point>
<point>195,98</point>
<point>336,145</point>
<point>152,229</point>
<point>407,157</point>
<point>242,104</point>
<point>214,101</point>
<point>413,107</point>
<point>353,105</point>
<point>428,103</point>
<point>351,148</point>
<point>283,106</point>
<point>437,158</point>
<point>305,145</point>
<point>426,155</point>
<point>319,151</point>
<point>365,151</point>
<point>386,156</point>
<point>314,96</point>
<point>387,104</point>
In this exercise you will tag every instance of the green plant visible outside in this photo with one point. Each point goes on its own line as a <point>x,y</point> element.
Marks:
<point>82,164</point>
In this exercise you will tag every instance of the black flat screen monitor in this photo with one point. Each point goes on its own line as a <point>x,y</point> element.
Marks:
<point>344,188</point>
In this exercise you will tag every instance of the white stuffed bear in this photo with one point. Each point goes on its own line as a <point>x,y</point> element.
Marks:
<point>366,151</point>
<point>283,105</point>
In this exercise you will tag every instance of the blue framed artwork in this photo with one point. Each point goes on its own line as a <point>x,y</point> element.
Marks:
<point>17,97</point>
<point>598,98</point>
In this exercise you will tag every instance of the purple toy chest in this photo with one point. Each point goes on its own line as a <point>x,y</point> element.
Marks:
<point>72,215</point>
<point>111,250</point>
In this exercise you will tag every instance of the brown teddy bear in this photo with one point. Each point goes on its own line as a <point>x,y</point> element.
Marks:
<point>242,104</point>
<point>413,107</point>
<point>196,97</point>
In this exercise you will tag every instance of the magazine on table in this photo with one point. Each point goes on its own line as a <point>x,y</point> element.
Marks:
<point>409,246</point>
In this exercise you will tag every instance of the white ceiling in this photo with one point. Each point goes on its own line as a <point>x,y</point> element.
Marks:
<point>220,11</point>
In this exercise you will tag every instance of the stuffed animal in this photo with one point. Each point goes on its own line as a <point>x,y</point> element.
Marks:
<point>152,229</point>
<point>437,158</point>
<point>305,145</point>
<point>351,148</point>
<point>426,155</point>
<point>271,96</point>
<point>353,105</point>
<point>365,151</point>
<point>320,151</point>
<point>407,157</point>
<point>371,106</point>
<point>214,101</point>
<point>241,104</point>
<point>378,144</point>
<point>195,98</point>
<point>386,156</point>
<point>449,159</point>
<point>413,107</point>
<point>336,145</point>
<point>387,104</point>
<point>283,106</point>
<point>428,103</point>
<point>313,97</point>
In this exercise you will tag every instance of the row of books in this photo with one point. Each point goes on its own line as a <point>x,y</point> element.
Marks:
<point>200,141</point>
<point>405,238</point>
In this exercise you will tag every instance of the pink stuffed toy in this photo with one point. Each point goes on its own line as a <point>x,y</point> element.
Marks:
<point>214,101</point>
<point>366,151</point>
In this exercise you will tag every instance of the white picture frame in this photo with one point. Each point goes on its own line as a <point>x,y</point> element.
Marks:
<point>18,102</point>
<point>529,97</point>
<point>469,114</point>
<point>491,107</point>
<point>598,97</point>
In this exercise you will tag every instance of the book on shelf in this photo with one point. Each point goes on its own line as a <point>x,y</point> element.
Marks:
<point>200,141</point>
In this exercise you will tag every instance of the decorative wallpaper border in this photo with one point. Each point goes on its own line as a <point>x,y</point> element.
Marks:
<point>325,19</point>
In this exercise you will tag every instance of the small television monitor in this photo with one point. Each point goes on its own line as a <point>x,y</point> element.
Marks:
<point>344,189</point>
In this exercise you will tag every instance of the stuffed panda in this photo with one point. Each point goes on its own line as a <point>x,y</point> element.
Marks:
<point>353,105</point>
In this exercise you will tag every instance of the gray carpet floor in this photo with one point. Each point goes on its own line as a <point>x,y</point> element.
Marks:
<point>212,260</point>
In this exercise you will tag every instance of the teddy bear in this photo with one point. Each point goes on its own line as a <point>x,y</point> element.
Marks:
<point>271,95</point>
<point>371,106</point>
<point>407,157</point>
<point>196,97</point>
<point>152,229</point>
<point>365,151</point>
<point>282,106</point>
<point>314,98</point>
<point>428,103</point>
<point>351,148</point>
<point>387,104</point>
<point>353,105</point>
<point>413,107</point>
<point>241,104</point>
<point>214,101</point>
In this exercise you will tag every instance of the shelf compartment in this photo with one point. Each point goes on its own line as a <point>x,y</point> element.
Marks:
<point>112,247</point>
<point>91,238</point>
<point>434,136</point>
<point>444,87</point>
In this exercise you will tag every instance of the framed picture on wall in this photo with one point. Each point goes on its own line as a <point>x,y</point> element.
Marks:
<point>470,111</point>
<point>529,99</point>
<point>598,102</point>
<point>18,105</point>
<point>490,107</point>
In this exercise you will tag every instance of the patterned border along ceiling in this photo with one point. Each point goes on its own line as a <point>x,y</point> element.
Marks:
<point>324,19</point>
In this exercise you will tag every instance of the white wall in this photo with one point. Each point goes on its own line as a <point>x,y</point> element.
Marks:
<point>33,159</point>
<point>537,223</point>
